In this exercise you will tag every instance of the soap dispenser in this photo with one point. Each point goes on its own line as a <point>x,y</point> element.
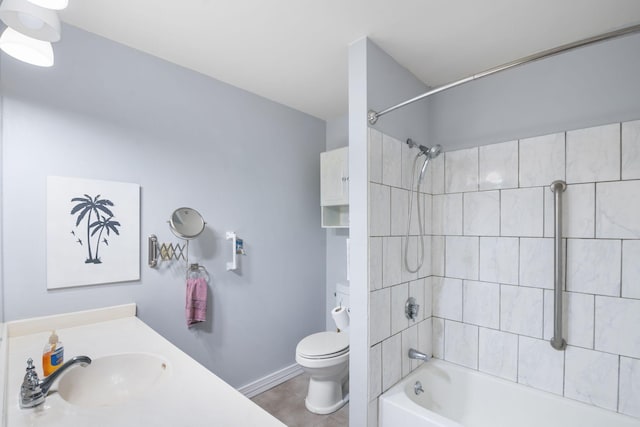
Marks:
<point>52,355</point>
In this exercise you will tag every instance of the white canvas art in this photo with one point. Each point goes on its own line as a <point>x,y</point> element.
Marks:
<point>93,232</point>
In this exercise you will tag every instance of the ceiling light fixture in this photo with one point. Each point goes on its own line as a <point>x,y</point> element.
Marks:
<point>26,49</point>
<point>51,4</point>
<point>31,20</point>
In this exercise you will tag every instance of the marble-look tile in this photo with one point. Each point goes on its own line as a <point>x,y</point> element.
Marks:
<point>578,211</point>
<point>591,377</point>
<point>498,354</point>
<point>577,318</point>
<point>499,166</point>
<point>428,296</point>
<point>409,174</point>
<point>391,361</point>
<point>375,156</point>
<point>416,290</point>
<point>399,211</point>
<point>539,365</point>
<point>425,337</point>
<point>391,161</point>
<point>461,344</point>
<point>437,178</point>
<point>410,248</point>
<point>409,340</point>
<point>372,414</point>
<point>438,337</point>
<point>461,170</point>
<point>631,150</point>
<point>482,213</point>
<point>379,210</point>
<point>380,315</point>
<point>618,210</point>
<point>425,269</point>
<point>447,298</point>
<point>375,371</point>
<point>616,330</point>
<point>629,387</point>
<point>437,255</point>
<point>542,160</point>
<point>391,261</point>
<point>499,259</point>
<point>375,263</point>
<point>593,154</point>
<point>536,263</point>
<point>427,213</point>
<point>399,296</point>
<point>631,269</point>
<point>462,257</point>
<point>521,310</point>
<point>481,303</point>
<point>447,214</point>
<point>593,266</point>
<point>521,212</point>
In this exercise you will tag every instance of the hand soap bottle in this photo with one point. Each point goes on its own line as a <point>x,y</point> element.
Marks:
<point>52,355</point>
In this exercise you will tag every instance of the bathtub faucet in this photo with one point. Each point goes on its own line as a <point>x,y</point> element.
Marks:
<point>418,355</point>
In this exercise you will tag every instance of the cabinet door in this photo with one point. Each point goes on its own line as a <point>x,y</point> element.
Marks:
<point>334,180</point>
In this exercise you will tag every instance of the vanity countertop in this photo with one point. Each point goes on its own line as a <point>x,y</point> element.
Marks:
<point>191,395</point>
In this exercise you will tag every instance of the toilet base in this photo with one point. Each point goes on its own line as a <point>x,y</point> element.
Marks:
<point>325,396</point>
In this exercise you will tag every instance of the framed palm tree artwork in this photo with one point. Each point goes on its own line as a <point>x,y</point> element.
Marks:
<point>93,232</point>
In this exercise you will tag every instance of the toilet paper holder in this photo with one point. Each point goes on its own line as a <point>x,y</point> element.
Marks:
<point>411,309</point>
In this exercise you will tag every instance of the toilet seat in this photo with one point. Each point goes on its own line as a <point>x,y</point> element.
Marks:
<point>323,345</point>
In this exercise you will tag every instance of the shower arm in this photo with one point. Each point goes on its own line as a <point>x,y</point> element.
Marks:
<point>373,116</point>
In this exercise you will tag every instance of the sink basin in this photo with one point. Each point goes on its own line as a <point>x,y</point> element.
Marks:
<point>113,380</point>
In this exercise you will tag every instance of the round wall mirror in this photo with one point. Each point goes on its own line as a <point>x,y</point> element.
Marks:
<point>186,223</point>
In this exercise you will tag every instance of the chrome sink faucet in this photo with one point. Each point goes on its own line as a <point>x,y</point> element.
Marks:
<point>33,391</point>
<point>418,355</point>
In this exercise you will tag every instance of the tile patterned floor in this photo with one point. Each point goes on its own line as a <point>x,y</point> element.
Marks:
<point>286,402</point>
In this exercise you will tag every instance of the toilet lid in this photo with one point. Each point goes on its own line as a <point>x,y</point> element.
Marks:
<point>323,345</point>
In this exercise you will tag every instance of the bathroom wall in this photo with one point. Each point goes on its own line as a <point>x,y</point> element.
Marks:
<point>105,111</point>
<point>493,298</point>
<point>337,137</point>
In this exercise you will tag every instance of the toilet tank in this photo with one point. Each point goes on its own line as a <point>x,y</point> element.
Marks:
<point>342,295</point>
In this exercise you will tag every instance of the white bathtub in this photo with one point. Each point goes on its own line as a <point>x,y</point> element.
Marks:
<point>460,397</point>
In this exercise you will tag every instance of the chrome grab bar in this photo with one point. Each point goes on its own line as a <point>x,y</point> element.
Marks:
<point>557,341</point>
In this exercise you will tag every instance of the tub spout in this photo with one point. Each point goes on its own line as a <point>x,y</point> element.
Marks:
<point>33,391</point>
<point>418,355</point>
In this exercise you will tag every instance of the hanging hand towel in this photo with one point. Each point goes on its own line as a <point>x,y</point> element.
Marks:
<point>196,301</point>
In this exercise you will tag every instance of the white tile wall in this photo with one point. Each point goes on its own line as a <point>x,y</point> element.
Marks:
<point>593,154</point>
<point>486,287</point>
<point>591,377</point>
<point>498,166</point>
<point>542,160</point>
<point>631,150</point>
<point>461,170</point>
<point>482,213</point>
<point>521,212</point>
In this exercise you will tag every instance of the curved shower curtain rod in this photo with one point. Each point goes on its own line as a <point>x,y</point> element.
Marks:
<point>373,116</point>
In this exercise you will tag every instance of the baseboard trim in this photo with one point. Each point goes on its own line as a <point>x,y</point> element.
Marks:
<point>263,384</point>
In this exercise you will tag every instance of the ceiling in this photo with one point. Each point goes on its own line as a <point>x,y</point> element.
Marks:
<point>295,51</point>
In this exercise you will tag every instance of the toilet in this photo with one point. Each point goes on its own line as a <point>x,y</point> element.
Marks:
<point>325,357</point>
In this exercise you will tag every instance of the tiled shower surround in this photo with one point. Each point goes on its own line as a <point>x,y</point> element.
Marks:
<point>487,287</point>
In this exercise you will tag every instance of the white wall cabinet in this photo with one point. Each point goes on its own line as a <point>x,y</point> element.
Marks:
<point>334,188</point>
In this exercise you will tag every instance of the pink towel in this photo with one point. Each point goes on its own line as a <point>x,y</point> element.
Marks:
<point>196,301</point>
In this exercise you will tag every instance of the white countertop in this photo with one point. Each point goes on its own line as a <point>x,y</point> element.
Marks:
<point>190,396</point>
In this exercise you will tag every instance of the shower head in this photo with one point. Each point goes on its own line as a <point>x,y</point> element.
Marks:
<point>432,152</point>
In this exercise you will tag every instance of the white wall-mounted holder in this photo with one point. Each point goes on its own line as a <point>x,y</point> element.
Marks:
<point>237,248</point>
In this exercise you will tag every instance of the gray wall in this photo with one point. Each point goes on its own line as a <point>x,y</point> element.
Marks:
<point>247,164</point>
<point>337,136</point>
<point>590,86</point>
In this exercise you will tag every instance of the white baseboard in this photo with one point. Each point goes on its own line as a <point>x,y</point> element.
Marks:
<point>263,384</point>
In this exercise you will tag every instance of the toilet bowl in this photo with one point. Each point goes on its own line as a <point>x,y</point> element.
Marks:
<point>325,357</point>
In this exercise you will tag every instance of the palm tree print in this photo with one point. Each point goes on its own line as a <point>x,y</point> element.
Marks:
<point>86,207</point>
<point>101,226</point>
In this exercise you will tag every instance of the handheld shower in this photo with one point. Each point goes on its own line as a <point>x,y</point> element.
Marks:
<point>429,154</point>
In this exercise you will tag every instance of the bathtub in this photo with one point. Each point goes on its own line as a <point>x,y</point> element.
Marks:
<point>455,396</point>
